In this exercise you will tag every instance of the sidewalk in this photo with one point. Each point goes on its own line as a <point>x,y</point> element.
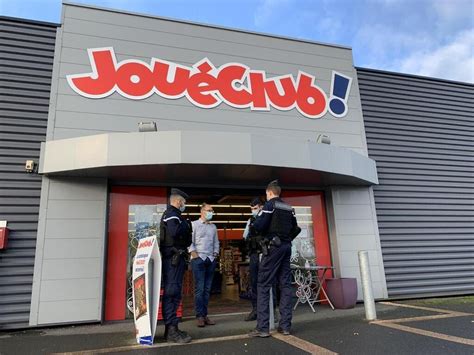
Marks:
<point>443,326</point>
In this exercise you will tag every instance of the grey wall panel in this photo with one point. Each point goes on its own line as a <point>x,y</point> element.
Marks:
<point>26,58</point>
<point>216,34</point>
<point>421,133</point>
<point>69,252</point>
<point>142,37</point>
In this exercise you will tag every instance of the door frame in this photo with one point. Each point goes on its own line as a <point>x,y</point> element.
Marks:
<point>117,236</point>
<point>117,245</point>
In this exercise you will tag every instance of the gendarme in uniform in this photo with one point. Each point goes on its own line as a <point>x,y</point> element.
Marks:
<point>277,224</point>
<point>175,238</point>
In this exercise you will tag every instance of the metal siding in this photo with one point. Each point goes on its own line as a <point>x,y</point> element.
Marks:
<point>142,37</point>
<point>420,132</point>
<point>26,58</point>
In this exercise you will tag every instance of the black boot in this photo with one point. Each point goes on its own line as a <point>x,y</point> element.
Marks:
<point>174,335</point>
<point>251,316</point>
<point>184,334</point>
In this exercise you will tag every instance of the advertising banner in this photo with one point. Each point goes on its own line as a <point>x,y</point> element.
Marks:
<point>146,289</point>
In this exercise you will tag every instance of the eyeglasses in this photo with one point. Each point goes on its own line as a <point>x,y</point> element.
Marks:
<point>209,211</point>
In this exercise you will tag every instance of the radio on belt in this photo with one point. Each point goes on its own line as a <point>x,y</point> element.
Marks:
<point>3,235</point>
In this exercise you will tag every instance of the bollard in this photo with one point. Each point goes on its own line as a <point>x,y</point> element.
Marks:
<point>366,280</point>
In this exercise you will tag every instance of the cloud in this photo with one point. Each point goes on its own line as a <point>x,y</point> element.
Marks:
<point>454,61</point>
<point>432,39</point>
<point>454,11</point>
<point>267,11</point>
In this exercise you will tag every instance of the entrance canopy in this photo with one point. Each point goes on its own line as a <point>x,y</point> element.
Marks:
<point>206,158</point>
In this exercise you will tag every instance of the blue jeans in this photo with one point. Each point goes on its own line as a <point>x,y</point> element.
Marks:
<point>203,272</point>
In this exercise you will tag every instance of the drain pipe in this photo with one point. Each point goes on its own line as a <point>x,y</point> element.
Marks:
<point>366,280</point>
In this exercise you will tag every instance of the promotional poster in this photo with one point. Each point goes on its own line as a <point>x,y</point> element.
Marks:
<point>146,289</point>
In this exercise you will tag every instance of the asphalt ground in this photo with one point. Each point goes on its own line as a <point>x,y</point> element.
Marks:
<point>441,330</point>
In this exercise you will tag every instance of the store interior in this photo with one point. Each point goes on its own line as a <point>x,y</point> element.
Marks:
<point>229,292</point>
<point>231,284</point>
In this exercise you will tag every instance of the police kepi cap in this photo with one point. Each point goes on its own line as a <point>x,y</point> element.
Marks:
<point>273,183</point>
<point>256,201</point>
<point>180,193</point>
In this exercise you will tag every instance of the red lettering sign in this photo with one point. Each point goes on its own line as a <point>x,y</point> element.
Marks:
<point>206,86</point>
<point>145,244</point>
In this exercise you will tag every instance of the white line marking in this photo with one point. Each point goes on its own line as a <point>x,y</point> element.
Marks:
<point>415,319</point>
<point>437,310</point>
<point>428,333</point>
<point>303,344</point>
<point>393,323</point>
<point>219,315</point>
<point>154,346</point>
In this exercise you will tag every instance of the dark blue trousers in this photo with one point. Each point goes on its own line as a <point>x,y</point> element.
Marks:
<point>173,286</point>
<point>203,272</point>
<point>253,273</point>
<point>275,267</point>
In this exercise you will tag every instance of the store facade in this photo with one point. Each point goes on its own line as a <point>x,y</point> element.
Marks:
<point>233,111</point>
<point>223,121</point>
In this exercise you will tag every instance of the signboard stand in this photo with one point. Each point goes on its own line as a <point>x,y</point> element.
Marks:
<point>146,289</point>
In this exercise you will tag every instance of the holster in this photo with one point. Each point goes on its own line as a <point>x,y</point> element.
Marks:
<point>266,243</point>
<point>177,254</point>
<point>264,246</point>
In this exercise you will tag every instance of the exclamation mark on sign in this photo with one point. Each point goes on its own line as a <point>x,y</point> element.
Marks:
<point>340,88</point>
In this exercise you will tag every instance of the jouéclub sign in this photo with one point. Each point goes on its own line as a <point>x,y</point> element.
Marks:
<point>207,86</point>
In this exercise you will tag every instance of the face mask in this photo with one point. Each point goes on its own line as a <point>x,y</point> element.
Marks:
<point>209,216</point>
<point>255,213</point>
<point>182,208</point>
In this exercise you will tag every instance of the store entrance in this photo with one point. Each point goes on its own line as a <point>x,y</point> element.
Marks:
<point>136,211</point>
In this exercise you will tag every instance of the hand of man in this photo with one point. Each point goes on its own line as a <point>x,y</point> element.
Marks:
<point>194,255</point>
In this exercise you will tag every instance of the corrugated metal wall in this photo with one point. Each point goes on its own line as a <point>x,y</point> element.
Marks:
<point>421,133</point>
<point>26,63</point>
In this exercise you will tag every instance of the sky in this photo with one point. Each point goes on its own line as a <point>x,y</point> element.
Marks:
<point>424,37</point>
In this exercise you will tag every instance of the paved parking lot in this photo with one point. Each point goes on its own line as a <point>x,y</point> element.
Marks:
<point>436,326</point>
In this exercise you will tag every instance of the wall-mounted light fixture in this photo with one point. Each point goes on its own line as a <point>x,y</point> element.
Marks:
<point>322,138</point>
<point>147,127</point>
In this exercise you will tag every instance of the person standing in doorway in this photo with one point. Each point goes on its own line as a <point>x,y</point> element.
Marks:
<point>204,250</point>
<point>175,238</point>
<point>277,223</point>
<point>253,247</point>
<point>254,240</point>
